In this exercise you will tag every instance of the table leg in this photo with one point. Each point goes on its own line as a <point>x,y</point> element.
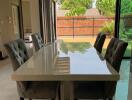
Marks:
<point>67,90</point>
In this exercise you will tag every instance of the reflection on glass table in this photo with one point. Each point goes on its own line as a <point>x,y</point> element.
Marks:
<point>81,47</point>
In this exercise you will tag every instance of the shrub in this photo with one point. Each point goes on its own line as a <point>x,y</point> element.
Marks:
<point>76,7</point>
<point>126,6</point>
<point>86,3</point>
<point>108,28</point>
<point>128,33</point>
<point>76,11</point>
<point>106,7</point>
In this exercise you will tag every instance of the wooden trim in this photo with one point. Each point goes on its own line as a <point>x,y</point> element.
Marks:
<point>20,18</point>
<point>41,19</point>
<point>49,35</point>
<point>20,15</point>
<point>55,18</point>
<point>49,39</point>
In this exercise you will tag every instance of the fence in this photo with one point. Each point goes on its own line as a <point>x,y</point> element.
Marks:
<point>80,26</point>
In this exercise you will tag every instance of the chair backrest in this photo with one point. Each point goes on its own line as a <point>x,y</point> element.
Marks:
<point>115,52</point>
<point>37,41</point>
<point>100,41</point>
<point>114,55</point>
<point>17,52</point>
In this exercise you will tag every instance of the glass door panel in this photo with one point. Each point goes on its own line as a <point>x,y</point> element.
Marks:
<point>125,32</point>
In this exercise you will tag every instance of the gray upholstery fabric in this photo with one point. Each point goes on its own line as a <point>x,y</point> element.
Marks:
<point>17,52</point>
<point>103,90</point>
<point>42,90</point>
<point>100,41</point>
<point>19,55</point>
<point>27,89</point>
<point>37,41</point>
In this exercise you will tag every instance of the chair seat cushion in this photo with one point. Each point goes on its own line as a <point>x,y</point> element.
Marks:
<point>42,90</point>
<point>91,90</point>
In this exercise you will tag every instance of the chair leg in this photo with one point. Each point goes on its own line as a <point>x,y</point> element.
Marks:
<point>21,98</point>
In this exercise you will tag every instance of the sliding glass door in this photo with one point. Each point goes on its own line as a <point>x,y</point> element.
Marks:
<point>125,29</point>
<point>47,20</point>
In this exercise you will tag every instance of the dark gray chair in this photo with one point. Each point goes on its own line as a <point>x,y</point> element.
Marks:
<point>27,89</point>
<point>37,41</point>
<point>105,89</point>
<point>115,52</point>
<point>100,41</point>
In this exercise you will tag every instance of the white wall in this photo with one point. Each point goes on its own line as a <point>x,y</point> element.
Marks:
<point>35,19</point>
<point>6,22</point>
<point>26,16</point>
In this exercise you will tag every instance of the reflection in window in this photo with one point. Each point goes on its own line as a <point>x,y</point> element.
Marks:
<point>126,24</point>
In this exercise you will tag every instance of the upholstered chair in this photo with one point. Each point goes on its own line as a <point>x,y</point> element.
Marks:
<point>37,41</point>
<point>100,41</point>
<point>105,89</point>
<point>33,90</point>
<point>115,52</point>
<point>114,55</point>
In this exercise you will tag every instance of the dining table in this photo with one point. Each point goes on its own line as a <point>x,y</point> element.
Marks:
<point>66,62</point>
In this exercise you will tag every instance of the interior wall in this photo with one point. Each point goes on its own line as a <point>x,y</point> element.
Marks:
<point>35,19</point>
<point>26,16</point>
<point>6,22</point>
<point>6,25</point>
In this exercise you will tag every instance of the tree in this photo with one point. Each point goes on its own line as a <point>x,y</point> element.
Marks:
<point>76,11</point>
<point>61,1</point>
<point>76,7</point>
<point>106,7</point>
<point>126,7</point>
<point>108,28</point>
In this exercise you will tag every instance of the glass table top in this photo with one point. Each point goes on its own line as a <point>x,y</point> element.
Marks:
<point>66,59</point>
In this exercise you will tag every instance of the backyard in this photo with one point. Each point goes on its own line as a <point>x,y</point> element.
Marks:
<point>84,25</point>
<point>82,20</point>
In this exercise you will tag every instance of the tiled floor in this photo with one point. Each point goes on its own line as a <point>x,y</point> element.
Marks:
<point>130,88</point>
<point>8,89</point>
<point>122,85</point>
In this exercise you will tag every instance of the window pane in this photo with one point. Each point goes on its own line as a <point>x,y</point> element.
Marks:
<point>126,24</point>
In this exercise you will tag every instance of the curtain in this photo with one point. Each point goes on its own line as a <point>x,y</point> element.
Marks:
<point>48,20</point>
